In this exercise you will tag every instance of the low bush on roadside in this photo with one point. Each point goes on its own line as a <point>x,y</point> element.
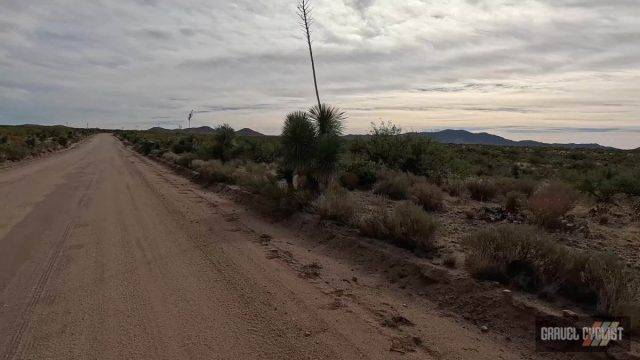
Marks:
<point>214,171</point>
<point>522,256</point>
<point>406,225</point>
<point>185,159</point>
<point>393,184</point>
<point>429,196</point>
<point>550,203</point>
<point>481,189</point>
<point>336,204</point>
<point>171,157</point>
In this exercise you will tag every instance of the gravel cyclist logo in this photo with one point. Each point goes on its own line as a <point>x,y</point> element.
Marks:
<point>559,335</point>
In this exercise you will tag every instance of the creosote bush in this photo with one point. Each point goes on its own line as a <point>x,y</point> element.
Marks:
<point>481,189</point>
<point>550,203</point>
<point>406,225</point>
<point>337,204</point>
<point>429,196</point>
<point>521,255</point>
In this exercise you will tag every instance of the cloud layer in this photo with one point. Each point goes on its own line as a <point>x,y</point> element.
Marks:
<point>490,64</point>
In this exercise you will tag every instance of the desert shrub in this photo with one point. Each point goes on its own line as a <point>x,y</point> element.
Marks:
<point>481,189</point>
<point>184,144</point>
<point>197,164</point>
<point>171,157</point>
<point>429,196</point>
<point>336,204</point>
<point>454,187</point>
<point>550,203</point>
<point>406,225</point>
<point>215,171</point>
<point>605,183</point>
<point>521,185</point>
<point>185,159</point>
<point>514,201</point>
<point>393,184</point>
<point>386,145</point>
<point>524,257</point>
<point>357,172</point>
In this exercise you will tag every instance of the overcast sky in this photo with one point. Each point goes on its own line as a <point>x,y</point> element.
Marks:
<point>554,70</point>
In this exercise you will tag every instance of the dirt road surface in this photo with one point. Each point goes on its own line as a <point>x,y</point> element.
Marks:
<point>108,255</point>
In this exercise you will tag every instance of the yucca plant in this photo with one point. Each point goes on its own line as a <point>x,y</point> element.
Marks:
<point>298,143</point>
<point>329,120</point>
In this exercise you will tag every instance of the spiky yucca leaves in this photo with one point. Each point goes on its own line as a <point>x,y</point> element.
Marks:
<point>298,141</point>
<point>329,120</point>
<point>329,125</point>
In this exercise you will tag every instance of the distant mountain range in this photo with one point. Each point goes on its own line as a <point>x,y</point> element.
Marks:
<point>445,136</point>
<point>206,130</point>
<point>467,137</point>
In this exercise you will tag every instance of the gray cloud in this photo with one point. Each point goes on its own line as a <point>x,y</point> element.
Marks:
<point>498,63</point>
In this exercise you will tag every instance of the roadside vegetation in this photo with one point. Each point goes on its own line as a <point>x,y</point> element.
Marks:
<point>515,208</point>
<point>24,141</point>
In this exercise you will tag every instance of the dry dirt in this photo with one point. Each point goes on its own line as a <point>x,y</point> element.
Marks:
<point>107,255</point>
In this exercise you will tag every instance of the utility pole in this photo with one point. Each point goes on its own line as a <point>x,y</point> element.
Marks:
<point>304,12</point>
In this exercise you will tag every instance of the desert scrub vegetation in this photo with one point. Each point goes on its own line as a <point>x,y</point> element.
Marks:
<point>481,189</point>
<point>393,184</point>
<point>405,225</point>
<point>429,196</point>
<point>19,142</point>
<point>522,256</point>
<point>337,204</point>
<point>550,203</point>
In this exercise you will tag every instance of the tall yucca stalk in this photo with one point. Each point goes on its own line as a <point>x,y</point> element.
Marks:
<point>304,12</point>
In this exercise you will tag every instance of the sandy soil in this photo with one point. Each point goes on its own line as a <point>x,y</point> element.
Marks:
<point>107,255</point>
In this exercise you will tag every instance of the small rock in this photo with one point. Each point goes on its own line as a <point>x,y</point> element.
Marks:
<point>484,328</point>
<point>354,279</point>
<point>307,334</point>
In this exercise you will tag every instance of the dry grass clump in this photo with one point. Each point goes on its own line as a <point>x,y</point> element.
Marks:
<point>429,196</point>
<point>214,171</point>
<point>524,257</point>
<point>336,204</point>
<point>393,184</point>
<point>454,187</point>
<point>481,189</point>
<point>171,157</point>
<point>523,186</point>
<point>550,203</point>
<point>406,225</point>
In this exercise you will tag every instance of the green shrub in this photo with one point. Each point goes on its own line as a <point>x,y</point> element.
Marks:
<point>336,204</point>
<point>429,196</point>
<point>393,184</point>
<point>550,203</point>
<point>357,172</point>
<point>406,225</point>
<point>481,189</point>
